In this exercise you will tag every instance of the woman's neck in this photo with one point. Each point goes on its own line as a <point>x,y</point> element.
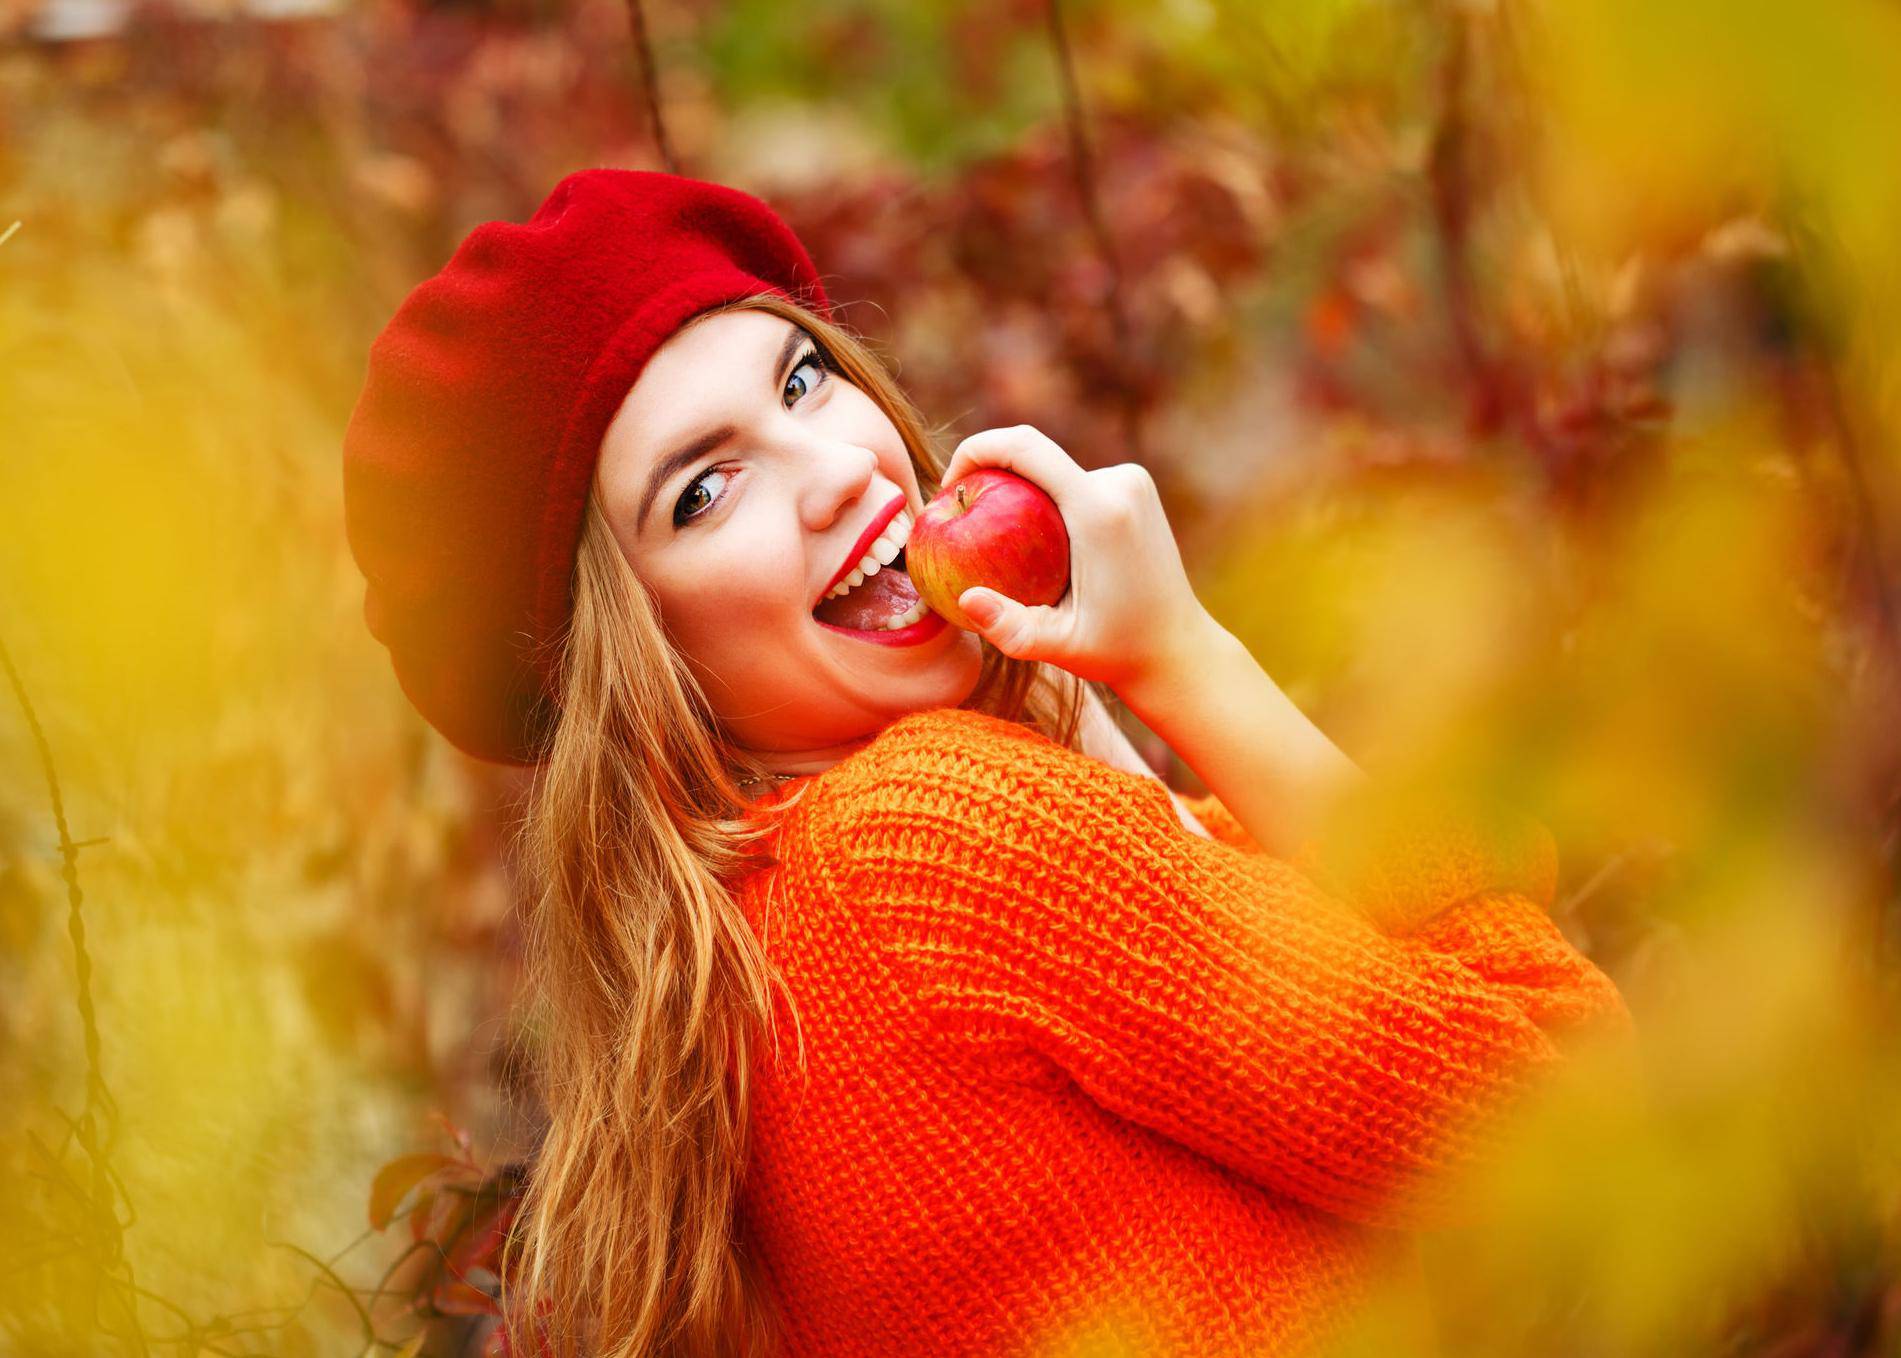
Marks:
<point>798,763</point>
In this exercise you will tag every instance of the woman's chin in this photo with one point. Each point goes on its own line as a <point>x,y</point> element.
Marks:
<point>863,690</point>
<point>939,670</point>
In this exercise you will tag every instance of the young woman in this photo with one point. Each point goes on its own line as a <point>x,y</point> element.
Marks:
<point>1075,1060</point>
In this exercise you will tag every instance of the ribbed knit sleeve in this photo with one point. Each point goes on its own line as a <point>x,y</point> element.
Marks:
<point>1057,922</point>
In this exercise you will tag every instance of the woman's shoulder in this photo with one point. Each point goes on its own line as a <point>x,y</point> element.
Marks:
<point>955,774</point>
<point>967,750</point>
<point>945,736</point>
<point>930,724</point>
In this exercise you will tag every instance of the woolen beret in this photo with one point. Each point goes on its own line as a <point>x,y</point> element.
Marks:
<point>469,455</point>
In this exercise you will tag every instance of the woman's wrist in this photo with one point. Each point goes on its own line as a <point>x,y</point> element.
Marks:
<point>1176,679</point>
<point>1214,705</point>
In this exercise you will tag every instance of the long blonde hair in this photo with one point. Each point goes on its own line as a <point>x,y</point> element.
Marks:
<point>648,987</point>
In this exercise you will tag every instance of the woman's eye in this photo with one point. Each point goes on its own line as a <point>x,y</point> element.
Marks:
<point>811,360</point>
<point>702,493</point>
<point>681,512</point>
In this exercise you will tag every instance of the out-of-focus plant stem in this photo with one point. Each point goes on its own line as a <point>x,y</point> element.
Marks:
<point>649,85</point>
<point>1452,212</point>
<point>1083,159</point>
<point>96,1126</point>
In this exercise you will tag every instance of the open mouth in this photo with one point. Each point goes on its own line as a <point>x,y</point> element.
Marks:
<point>881,598</point>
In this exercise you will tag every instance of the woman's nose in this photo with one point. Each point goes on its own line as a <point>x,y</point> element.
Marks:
<point>843,474</point>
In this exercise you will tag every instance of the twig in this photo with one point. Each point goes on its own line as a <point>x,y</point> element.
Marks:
<point>99,1110</point>
<point>102,1238</point>
<point>410,1251</point>
<point>1868,552</point>
<point>1597,879</point>
<point>1449,175</point>
<point>1869,546</point>
<point>1083,159</point>
<point>649,86</point>
<point>1887,644</point>
<point>330,1275</point>
<point>69,860</point>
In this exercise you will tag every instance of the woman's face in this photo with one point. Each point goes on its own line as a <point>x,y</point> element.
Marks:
<point>739,540</point>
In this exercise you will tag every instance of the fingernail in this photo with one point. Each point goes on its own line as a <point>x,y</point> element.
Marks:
<point>981,607</point>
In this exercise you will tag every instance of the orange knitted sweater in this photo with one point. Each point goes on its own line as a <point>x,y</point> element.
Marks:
<point>1078,1078</point>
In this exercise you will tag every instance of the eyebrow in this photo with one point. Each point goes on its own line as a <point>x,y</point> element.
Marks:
<point>665,468</point>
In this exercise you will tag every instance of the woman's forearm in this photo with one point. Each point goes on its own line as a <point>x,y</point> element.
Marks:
<point>1229,721</point>
<point>1130,618</point>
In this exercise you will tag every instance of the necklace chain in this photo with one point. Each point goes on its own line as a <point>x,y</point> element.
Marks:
<point>743,782</point>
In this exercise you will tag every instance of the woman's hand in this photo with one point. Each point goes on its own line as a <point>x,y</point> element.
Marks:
<point>1129,612</point>
<point>1131,620</point>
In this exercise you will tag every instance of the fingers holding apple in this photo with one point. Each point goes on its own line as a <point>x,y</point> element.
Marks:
<point>994,529</point>
<point>1025,450</point>
<point>1078,568</point>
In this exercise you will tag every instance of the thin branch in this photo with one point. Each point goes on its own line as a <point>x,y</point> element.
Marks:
<point>107,1231</point>
<point>1449,176</point>
<point>1606,870</point>
<point>649,85</point>
<point>1868,553</point>
<point>330,1275</point>
<point>1869,545</point>
<point>69,860</point>
<point>365,1234</point>
<point>1083,159</point>
<point>1887,645</point>
<point>415,1247</point>
<point>101,1238</point>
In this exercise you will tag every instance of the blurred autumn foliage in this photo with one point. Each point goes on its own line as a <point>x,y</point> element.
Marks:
<point>1521,377</point>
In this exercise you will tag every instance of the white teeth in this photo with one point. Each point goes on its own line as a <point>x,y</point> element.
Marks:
<point>915,613</point>
<point>845,586</point>
<point>884,550</point>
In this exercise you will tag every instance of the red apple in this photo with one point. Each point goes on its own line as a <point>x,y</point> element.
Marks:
<point>992,528</point>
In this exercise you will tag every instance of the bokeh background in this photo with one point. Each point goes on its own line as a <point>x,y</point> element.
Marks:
<point>1520,375</point>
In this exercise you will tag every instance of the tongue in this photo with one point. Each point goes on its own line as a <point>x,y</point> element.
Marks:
<point>872,604</point>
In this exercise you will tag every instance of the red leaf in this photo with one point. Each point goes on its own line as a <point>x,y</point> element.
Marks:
<point>480,1242</point>
<point>1331,320</point>
<point>448,1214</point>
<point>456,1297</point>
<point>497,1345</point>
<point>422,1214</point>
<point>394,1180</point>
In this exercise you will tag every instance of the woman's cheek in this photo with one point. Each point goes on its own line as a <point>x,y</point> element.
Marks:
<point>755,663</point>
<point>703,596</point>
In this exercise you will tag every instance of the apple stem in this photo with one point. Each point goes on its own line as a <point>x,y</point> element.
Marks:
<point>962,507</point>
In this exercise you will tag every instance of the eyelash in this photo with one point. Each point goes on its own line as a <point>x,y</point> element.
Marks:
<point>813,355</point>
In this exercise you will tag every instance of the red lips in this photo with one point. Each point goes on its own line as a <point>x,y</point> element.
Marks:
<point>865,539</point>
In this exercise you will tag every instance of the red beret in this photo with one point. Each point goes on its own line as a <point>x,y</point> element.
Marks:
<point>468,458</point>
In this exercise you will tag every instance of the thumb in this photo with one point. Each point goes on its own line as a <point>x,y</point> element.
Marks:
<point>1005,623</point>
